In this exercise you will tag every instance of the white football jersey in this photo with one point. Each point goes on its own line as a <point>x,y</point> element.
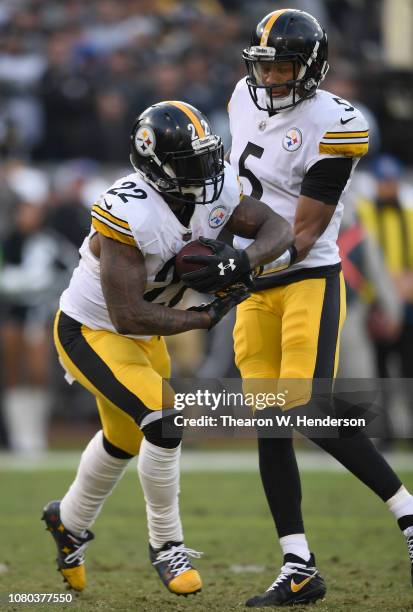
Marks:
<point>273,154</point>
<point>134,213</point>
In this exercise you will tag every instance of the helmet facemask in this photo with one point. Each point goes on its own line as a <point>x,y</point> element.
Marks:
<point>303,84</point>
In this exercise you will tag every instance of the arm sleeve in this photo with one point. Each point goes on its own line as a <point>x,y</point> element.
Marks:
<point>326,179</point>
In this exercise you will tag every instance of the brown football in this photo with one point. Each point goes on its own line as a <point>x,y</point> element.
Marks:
<point>192,248</point>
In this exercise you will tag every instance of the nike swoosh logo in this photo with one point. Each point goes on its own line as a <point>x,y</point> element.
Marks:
<point>297,587</point>
<point>107,205</point>
<point>346,121</point>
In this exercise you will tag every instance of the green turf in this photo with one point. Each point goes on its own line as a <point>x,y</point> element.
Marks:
<point>359,548</point>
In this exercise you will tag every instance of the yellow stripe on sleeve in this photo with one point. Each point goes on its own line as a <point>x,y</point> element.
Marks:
<point>267,29</point>
<point>344,149</point>
<point>104,213</point>
<point>111,232</point>
<point>189,113</point>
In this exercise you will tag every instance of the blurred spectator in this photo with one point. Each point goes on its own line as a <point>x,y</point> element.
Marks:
<point>34,271</point>
<point>196,90</point>
<point>118,24</point>
<point>8,201</point>
<point>389,94</point>
<point>67,95</point>
<point>386,210</point>
<point>21,68</point>
<point>166,79</point>
<point>113,127</point>
<point>74,189</point>
<point>367,282</point>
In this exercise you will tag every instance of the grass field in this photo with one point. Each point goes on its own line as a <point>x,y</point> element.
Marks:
<point>359,548</point>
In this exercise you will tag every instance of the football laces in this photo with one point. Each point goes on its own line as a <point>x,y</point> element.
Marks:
<point>177,556</point>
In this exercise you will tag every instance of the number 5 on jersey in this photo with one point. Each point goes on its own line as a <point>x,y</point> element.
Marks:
<point>255,151</point>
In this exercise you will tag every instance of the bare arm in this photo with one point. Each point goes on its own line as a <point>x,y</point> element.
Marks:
<point>123,279</point>
<point>272,233</point>
<point>311,219</point>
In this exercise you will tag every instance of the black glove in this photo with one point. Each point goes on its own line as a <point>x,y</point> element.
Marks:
<point>224,268</point>
<point>219,307</point>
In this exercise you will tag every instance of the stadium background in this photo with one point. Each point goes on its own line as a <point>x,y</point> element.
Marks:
<point>73,75</point>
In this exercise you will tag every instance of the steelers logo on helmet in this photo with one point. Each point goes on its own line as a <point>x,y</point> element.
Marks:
<point>145,141</point>
<point>292,140</point>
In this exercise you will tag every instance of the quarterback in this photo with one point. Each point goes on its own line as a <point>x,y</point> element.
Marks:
<point>295,148</point>
<point>121,302</point>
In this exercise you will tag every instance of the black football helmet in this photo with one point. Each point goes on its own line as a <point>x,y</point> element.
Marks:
<point>174,150</point>
<point>287,35</point>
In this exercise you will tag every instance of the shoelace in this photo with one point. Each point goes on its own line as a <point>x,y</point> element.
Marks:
<point>78,554</point>
<point>286,570</point>
<point>410,547</point>
<point>178,558</point>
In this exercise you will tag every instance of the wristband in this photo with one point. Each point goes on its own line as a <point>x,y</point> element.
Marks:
<point>284,261</point>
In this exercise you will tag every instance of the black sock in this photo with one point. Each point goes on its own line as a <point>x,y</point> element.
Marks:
<point>405,521</point>
<point>281,482</point>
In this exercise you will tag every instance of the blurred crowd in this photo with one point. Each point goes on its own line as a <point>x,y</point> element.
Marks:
<point>73,75</point>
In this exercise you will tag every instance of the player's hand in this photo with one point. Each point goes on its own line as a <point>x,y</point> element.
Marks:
<point>222,304</point>
<point>225,267</point>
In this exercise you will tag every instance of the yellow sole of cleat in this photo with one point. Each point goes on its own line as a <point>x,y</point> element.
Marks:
<point>186,594</point>
<point>187,583</point>
<point>75,577</point>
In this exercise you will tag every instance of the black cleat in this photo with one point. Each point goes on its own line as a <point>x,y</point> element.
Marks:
<point>299,582</point>
<point>174,568</point>
<point>70,548</point>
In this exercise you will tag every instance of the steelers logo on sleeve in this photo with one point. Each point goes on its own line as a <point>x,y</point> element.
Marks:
<point>217,216</point>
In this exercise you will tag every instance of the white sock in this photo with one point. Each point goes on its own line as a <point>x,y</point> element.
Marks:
<point>401,503</point>
<point>158,470</point>
<point>26,415</point>
<point>295,544</point>
<point>96,477</point>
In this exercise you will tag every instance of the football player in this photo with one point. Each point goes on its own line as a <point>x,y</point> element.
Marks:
<point>295,147</point>
<point>121,302</point>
